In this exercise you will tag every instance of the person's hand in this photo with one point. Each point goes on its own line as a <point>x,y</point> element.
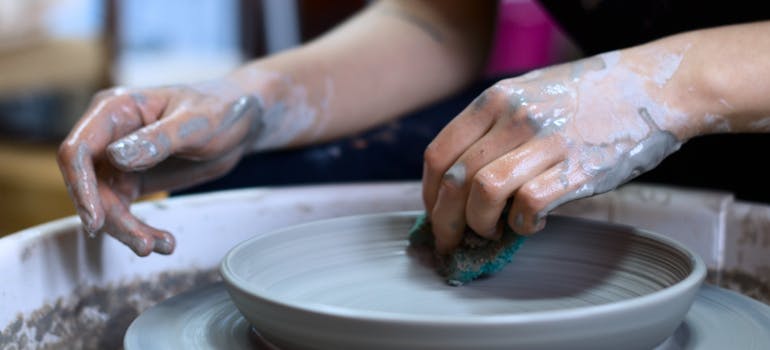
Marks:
<point>542,139</point>
<point>134,142</point>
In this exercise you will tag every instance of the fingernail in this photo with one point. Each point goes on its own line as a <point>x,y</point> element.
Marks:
<point>254,109</point>
<point>519,222</point>
<point>244,106</point>
<point>134,152</point>
<point>142,246</point>
<point>91,234</point>
<point>125,150</point>
<point>165,245</point>
<point>456,174</point>
<point>88,221</point>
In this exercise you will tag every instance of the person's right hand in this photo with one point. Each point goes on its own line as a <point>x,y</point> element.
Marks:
<point>536,141</point>
<point>134,142</point>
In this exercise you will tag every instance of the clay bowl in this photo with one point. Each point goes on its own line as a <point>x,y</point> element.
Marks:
<point>353,283</point>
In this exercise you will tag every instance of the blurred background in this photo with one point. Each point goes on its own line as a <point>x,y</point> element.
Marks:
<point>55,54</point>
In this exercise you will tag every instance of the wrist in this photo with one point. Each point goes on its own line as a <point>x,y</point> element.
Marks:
<point>716,85</point>
<point>293,105</point>
<point>685,90</point>
<point>698,93</point>
<point>254,80</point>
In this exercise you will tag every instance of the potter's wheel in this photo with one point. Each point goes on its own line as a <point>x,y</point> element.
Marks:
<point>205,318</point>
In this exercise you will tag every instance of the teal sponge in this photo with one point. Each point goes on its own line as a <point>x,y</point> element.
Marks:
<point>475,257</point>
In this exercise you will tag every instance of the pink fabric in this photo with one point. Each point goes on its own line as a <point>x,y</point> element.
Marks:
<point>522,38</point>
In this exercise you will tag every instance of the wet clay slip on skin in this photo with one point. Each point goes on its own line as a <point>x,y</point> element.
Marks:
<point>353,283</point>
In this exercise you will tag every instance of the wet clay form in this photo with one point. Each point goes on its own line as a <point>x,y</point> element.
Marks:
<point>578,284</point>
<point>475,257</point>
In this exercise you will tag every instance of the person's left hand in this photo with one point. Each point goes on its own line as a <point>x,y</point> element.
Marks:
<point>132,142</point>
<point>547,137</point>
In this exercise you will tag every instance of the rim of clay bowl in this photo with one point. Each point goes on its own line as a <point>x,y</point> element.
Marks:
<point>692,281</point>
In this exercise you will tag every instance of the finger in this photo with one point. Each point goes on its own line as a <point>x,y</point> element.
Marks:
<point>183,134</point>
<point>449,210</point>
<point>448,227</point>
<point>103,120</point>
<point>242,119</point>
<point>536,198</point>
<point>462,132</point>
<point>124,187</point>
<point>180,173</point>
<point>495,183</point>
<point>140,237</point>
<point>124,226</point>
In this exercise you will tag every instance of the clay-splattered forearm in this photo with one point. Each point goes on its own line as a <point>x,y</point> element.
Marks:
<point>721,81</point>
<point>393,57</point>
<point>578,129</point>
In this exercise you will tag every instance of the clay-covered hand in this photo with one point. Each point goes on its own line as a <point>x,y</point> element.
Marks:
<point>132,142</point>
<point>544,138</point>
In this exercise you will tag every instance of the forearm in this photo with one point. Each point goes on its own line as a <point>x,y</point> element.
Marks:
<point>393,57</point>
<point>721,82</point>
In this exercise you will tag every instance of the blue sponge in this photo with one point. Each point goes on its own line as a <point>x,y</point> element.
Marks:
<point>475,257</point>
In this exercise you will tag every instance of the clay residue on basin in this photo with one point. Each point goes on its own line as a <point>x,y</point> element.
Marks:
<point>96,317</point>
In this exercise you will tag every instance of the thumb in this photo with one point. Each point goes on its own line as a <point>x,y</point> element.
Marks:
<point>185,133</point>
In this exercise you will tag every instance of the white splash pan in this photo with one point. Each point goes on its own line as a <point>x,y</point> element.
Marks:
<point>43,263</point>
<point>50,262</point>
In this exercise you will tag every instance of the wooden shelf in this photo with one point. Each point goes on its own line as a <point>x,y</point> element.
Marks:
<point>32,190</point>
